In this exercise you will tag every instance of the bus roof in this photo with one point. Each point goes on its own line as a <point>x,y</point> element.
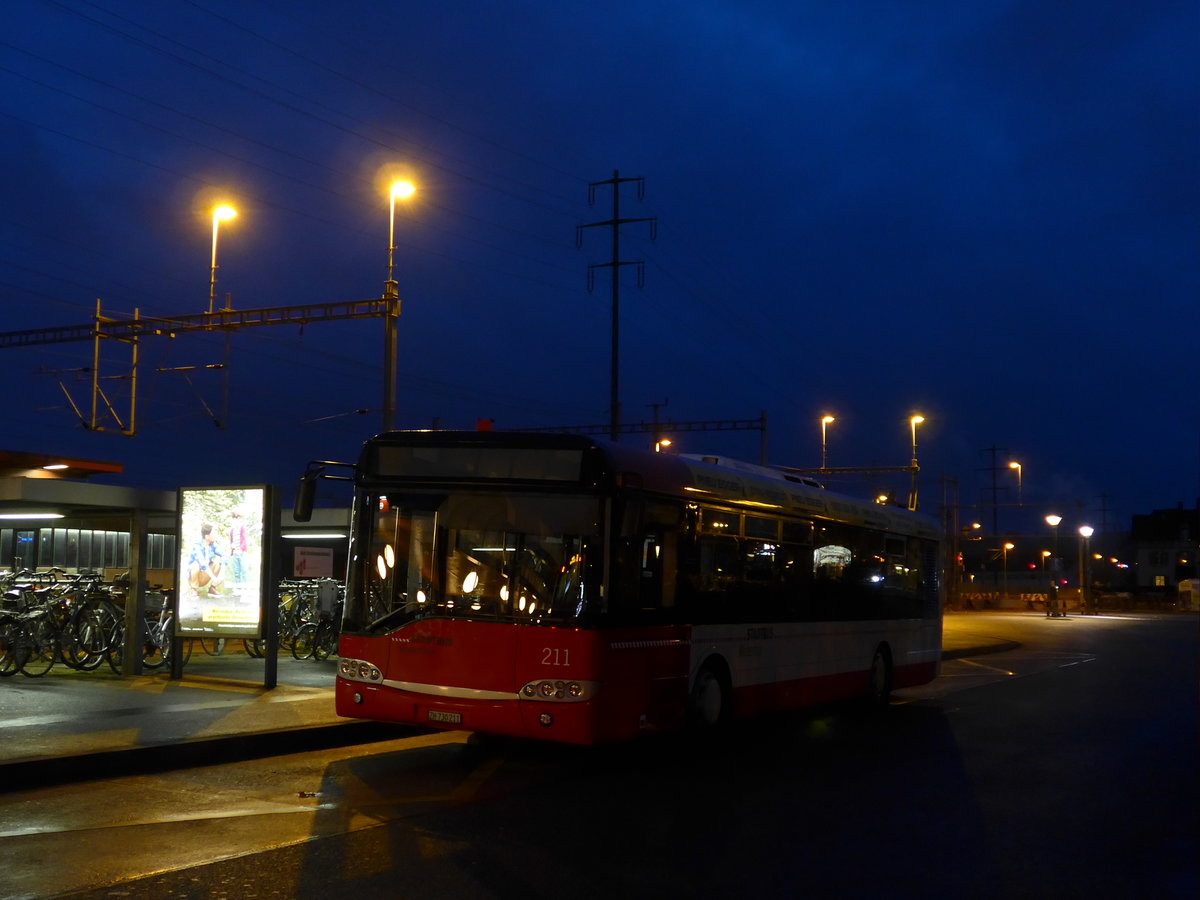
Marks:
<point>560,458</point>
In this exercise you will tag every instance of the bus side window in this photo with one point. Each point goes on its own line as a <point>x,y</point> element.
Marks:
<point>650,573</point>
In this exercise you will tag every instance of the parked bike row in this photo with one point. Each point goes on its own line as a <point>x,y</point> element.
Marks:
<point>53,617</point>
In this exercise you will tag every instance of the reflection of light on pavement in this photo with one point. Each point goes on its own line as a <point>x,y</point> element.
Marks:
<point>972,662</point>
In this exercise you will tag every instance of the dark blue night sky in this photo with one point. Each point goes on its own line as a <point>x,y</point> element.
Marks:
<point>984,212</point>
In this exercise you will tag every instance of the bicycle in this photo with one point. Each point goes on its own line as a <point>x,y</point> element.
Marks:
<point>51,622</point>
<point>319,640</point>
<point>157,638</point>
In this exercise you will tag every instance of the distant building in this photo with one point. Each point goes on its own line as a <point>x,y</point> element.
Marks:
<point>1166,545</point>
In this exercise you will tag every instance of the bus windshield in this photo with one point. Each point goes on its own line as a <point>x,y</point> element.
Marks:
<point>477,555</point>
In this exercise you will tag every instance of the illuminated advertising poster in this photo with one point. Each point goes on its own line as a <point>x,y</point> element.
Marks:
<point>312,562</point>
<point>219,579</point>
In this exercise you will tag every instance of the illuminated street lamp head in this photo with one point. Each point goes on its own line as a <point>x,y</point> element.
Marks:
<point>1086,531</point>
<point>400,190</point>
<point>913,422</point>
<point>221,214</point>
<point>1053,520</point>
<point>825,422</point>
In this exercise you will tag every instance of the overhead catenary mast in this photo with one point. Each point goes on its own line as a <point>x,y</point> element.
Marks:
<point>615,264</point>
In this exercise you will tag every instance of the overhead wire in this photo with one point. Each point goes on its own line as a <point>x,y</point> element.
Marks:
<point>325,120</point>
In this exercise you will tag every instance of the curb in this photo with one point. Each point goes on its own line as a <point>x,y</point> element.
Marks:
<point>21,775</point>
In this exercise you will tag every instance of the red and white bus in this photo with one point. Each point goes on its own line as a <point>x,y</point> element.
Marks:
<point>556,587</point>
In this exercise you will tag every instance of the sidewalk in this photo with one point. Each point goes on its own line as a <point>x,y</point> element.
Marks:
<point>69,726</point>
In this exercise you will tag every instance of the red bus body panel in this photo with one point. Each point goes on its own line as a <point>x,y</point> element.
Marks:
<point>455,674</point>
<point>472,672</point>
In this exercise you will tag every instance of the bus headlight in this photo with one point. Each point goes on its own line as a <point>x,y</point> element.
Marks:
<point>359,670</point>
<point>559,690</point>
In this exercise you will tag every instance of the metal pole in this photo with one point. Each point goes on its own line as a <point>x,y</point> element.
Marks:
<point>614,378</point>
<point>391,295</point>
<point>212,280</point>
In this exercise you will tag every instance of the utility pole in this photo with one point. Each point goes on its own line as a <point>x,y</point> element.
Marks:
<point>995,488</point>
<point>615,264</point>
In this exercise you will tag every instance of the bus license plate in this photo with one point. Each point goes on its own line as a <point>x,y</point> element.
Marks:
<point>451,718</point>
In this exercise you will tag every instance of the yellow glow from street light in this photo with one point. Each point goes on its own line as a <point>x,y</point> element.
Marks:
<point>1086,530</point>
<point>223,213</point>
<point>402,190</point>
<point>825,420</point>
<point>1053,520</point>
<point>917,420</point>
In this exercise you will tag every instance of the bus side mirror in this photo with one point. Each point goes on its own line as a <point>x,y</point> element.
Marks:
<point>305,493</point>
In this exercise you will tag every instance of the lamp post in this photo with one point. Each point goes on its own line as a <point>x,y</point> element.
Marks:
<point>826,421</point>
<point>913,422</point>
<point>1052,607</point>
<point>1016,466</point>
<point>1004,568</point>
<point>1085,591</point>
<point>399,190</point>
<point>221,214</point>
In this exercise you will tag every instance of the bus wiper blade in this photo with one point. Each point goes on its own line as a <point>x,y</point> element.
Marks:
<point>386,618</point>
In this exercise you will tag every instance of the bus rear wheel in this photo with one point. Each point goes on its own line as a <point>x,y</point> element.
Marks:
<point>709,705</point>
<point>879,687</point>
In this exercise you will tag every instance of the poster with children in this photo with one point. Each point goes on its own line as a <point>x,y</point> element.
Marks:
<point>219,578</point>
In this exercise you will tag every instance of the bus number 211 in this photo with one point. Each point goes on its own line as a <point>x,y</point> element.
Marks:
<point>553,656</point>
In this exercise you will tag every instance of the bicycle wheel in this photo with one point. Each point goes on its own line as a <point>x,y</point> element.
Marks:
<point>287,635</point>
<point>116,649</point>
<point>9,628</point>
<point>167,637</point>
<point>213,646</point>
<point>327,641</point>
<point>86,643</point>
<point>39,648</point>
<point>305,641</point>
<point>155,646</point>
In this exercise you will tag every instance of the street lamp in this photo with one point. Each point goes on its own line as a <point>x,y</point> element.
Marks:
<point>221,214</point>
<point>1004,568</point>
<point>913,422</point>
<point>1052,607</point>
<point>1085,592</point>
<point>400,190</point>
<point>826,421</point>
<point>1054,521</point>
<point>1017,466</point>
